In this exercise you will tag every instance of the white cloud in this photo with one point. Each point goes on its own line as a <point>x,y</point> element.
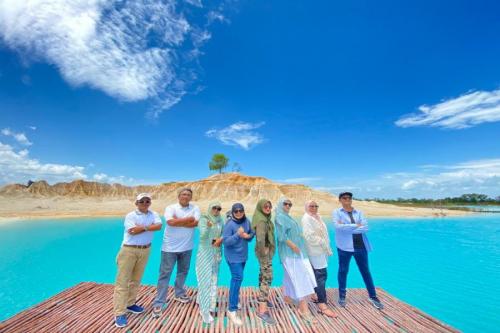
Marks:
<point>33,128</point>
<point>429,181</point>
<point>481,176</point>
<point>409,184</point>
<point>239,134</point>
<point>196,3</point>
<point>414,183</point>
<point>216,16</point>
<point>465,111</point>
<point>300,180</point>
<point>335,189</point>
<point>19,137</point>
<point>131,50</point>
<point>486,164</point>
<point>17,166</point>
<point>102,177</point>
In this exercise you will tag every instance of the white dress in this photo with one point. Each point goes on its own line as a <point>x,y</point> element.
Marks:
<point>298,280</point>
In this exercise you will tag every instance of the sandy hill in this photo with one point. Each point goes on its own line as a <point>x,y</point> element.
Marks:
<point>84,198</point>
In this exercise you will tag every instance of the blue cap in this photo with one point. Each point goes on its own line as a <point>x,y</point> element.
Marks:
<point>345,193</point>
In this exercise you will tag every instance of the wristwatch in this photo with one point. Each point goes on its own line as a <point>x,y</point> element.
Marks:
<point>145,228</point>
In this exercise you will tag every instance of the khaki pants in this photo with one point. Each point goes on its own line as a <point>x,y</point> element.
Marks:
<point>131,263</point>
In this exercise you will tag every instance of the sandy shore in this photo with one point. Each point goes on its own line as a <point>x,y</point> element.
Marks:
<point>62,208</point>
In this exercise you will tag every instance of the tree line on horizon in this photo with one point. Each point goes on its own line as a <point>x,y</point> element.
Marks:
<point>464,199</point>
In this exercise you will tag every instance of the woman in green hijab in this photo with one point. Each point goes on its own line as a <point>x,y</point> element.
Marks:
<point>263,227</point>
<point>208,259</point>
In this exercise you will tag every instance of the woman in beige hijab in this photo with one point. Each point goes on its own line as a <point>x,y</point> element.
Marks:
<point>318,250</point>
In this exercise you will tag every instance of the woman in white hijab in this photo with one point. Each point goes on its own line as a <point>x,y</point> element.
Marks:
<point>318,250</point>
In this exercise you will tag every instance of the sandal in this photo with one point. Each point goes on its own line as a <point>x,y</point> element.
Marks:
<point>327,312</point>
<point>289,300</point>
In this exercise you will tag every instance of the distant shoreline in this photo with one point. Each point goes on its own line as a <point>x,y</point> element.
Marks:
<point>63,216</point>
<point>57,217</point>
<point>84,199</point>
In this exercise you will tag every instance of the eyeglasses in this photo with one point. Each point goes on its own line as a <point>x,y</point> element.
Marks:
<point>287,204</point>
<point>313,206</point>
<point>217,208</point>
<point>237,211</point>
<point>144,201</point>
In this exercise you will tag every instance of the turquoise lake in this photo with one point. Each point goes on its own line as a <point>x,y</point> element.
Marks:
<point>447,267</point>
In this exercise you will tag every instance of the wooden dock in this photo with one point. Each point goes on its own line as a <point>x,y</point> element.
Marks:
<point>87,307</point>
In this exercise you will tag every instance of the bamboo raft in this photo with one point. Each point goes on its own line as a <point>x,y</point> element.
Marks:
<point>87,307</point>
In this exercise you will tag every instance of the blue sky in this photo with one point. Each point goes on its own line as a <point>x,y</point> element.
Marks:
<point>383,98</point>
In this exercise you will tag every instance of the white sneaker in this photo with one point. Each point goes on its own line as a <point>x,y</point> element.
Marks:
<point>233,317</point>
<point>207,318</point>
<point>156,313</point>
<point>239,306</point>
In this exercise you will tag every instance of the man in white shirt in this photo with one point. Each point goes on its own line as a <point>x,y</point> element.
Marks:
<point>133,256</point>
<point>177,247</point>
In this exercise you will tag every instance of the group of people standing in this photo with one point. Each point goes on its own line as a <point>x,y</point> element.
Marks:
<point>303,248</point>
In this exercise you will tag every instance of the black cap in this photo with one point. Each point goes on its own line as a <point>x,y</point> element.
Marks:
<point>345,193</point>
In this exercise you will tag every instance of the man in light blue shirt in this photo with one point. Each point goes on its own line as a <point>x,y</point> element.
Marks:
<point>350,237</point>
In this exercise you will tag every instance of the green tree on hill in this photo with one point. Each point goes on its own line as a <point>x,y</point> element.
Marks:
<point>218,162</point>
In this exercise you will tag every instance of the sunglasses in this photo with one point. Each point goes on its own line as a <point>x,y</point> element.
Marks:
<point>268,207</point>
<point>217,208</point>
<point>144,201</point>
<point>237,211</point>
<point>346,198</point>
<point>313,206</point>
<point>289,204</point>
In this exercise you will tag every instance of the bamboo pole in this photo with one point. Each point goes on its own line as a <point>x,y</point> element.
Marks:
<point>88,307</point>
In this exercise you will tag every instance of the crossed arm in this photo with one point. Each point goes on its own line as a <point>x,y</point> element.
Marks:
<point>138,229</point>
<point>187,222</point>
<point>358,228</point>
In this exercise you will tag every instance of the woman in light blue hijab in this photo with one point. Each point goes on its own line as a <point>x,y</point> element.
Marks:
<point>208,260</point>
<point>298,280</point>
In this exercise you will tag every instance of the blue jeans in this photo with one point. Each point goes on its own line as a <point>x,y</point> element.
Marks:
<point>234,287</point>
<point>321,276</point>
<point>361,257</point>
<point>168,260</point>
